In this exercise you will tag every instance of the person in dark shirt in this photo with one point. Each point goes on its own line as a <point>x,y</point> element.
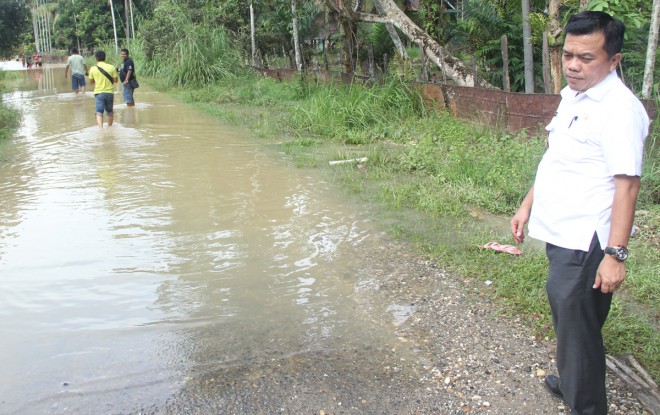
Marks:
<point>126,76</point>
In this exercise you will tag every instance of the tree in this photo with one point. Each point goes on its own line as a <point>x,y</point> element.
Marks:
<point>391,30</point>
<point>296,37</point>
<point>527,47</point>
<point>636,15</point>
<point>453,67</point>
<point>14,22</point>
<point>82,24</point>
<point>651,50</point>
<point>555,48</point>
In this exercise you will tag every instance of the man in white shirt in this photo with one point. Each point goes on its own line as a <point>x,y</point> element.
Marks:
<point>583,201</point>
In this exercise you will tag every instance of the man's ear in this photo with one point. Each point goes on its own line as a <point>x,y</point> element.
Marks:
<point>614,61</point>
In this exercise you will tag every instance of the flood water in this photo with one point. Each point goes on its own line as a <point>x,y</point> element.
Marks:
<point>138,259</point>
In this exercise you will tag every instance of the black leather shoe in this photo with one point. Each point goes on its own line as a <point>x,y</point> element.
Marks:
<point>552,384</point>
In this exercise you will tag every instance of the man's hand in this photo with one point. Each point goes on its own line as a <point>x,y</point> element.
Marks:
<point>521,217</point>
<point>610,275</point>
<point>518,224</point>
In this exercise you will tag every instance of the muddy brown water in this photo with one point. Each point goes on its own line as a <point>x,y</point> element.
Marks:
<point>140,259</point>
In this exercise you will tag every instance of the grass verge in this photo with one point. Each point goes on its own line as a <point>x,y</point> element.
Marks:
<point>9,117</point>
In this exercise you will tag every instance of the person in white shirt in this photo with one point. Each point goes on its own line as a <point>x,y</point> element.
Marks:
<point>582,203</point>
<point>78,71</point>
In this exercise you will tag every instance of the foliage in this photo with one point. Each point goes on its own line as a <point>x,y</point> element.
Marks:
<point>345,112</point>
<point>380,40</point>
<point>631,12</point>
<point>14,21</point>
<point>275,27</point>
<point>479,33</point>
<point>435,19</point>
<point>168,24</point>
<point>650,192</point>
<point>635,14</point>
<point>9,117</point>
<point>84,23</point>
<point>181,52</point>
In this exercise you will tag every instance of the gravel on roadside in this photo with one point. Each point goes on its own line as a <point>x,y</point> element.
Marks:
<point>452,352</point>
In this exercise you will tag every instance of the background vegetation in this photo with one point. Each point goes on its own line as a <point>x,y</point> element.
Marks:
<point>467,29</point>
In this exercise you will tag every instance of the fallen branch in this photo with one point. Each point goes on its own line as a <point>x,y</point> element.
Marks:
<point>641,383</point>
<point>360,160</point>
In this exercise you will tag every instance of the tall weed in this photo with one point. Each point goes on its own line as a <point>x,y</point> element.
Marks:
<point>649,193</point>
<point>202,57</point>
<point>9,117</point>
<point>9,120</point>
<point>347,112</point>
<point>182,53</point>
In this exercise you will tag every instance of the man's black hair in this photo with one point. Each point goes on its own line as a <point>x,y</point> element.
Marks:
<point>74,50</point>
<point>125,50</point>
<point>588,22</point>
<point>99,55</point>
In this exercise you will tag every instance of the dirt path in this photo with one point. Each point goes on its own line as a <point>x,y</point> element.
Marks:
<point>455,355</point>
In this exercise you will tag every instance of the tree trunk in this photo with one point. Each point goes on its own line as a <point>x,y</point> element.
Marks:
<point>296,38</point>
<point>252,40</point>
<point>451,66</point>
<point>650,51</point>
<point>547,80</point>
<point>425,71</point>
<point>506,82</point>
<point>555,49</point>
<point>370,55</point>
<point>35,25</point>
<point>350,56</point>
<point>42,26</point>
<point>527,49</point>
<point>398,45</point>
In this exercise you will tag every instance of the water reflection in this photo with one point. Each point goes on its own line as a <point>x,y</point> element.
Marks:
<point>136,256</point>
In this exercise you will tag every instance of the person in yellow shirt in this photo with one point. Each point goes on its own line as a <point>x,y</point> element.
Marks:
<point>103,76</point>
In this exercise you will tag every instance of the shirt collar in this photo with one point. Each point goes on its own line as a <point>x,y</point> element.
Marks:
<point>596,92</point>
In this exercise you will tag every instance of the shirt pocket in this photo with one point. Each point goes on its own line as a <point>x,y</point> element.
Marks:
<point>573,139</point>
<point>580,130</point>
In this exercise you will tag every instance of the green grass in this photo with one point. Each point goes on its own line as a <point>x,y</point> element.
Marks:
<point>9,117</point>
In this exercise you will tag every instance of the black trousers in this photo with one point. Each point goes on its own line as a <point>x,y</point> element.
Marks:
<point>578,314</point>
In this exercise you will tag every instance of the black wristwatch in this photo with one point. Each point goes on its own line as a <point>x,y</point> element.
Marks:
<point>620,253</point>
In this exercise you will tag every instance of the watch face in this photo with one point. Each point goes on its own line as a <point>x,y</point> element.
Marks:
<point>621,254</point>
